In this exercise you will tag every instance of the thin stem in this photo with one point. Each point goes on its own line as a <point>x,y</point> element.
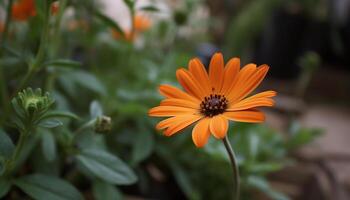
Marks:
<point>132,16</point>
<point>3,88</point>
<point>40,56</point>
<point>85,126</point>
<point>10,165</point>
<point>8,20</point>
<point>234,165</point>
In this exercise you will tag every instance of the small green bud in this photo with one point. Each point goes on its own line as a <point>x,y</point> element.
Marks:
<point>103,124</point>
<point>32,102</point>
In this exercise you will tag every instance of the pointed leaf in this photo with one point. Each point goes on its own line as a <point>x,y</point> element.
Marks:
<point>5,186</point>
<point>63,63</point>
<point>43,187</point>
<point>62,114</point>
<point>150,9</point>
<point>142,147</point>
<point>6,145</point>
<point>106,166</point>
<point>52,123</point>
<point>103,190</point>
<point>109,22</point>
<point>95,109</point>
<point>48,145</point>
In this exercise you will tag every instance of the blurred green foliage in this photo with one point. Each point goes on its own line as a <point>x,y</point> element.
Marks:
<point>86,71</point>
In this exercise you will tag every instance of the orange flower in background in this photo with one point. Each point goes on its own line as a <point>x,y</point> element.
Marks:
<point>128,36</point>
<point>212,99</point>
<point>140,23</point>
<point>2,27</point>
<point>54,7</point>
<point>23,9</point>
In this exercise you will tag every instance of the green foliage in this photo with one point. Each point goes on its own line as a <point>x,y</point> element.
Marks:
<point>244,28</point>
<point>106,166</point>
<point>103,190</point>
<point>5,186</point>
<point>6,145</point>
<point>41,187</point>
<point>88,83</point>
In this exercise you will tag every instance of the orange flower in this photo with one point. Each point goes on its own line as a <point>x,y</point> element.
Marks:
<point>54,7</point>
<point>2,27</point>
<point>211,100</point>
<point>127,35</point>
<point>23,9</point>
<point>140,24</point>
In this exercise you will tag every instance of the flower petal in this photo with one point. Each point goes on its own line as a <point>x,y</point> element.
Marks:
<point>216,71</point>
<point>247,71</point>
<point>201,133</point>
<point>173,92</point>
<point>257,100</point>
<point>251,116</point>
<point>248,84</point>
<point>266,94</point>
<point>181,124</point>
<point>230,74</point>
<point>189,83</point>
<point>218,126</point>
<point>198,71</point>
<point>179,102</point>
<point>166,111</point>
<point>173,120</point>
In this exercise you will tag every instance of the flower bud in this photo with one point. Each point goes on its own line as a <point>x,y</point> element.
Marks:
<point>103,124</point>
<point>34,102</point>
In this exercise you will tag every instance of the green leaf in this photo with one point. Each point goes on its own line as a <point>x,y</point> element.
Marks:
<point>106,166</point>
<point>6,145</point>
<point>5,186</point>
<point>18,109</point>
<point>63,63</point>
<point>51,123</point>
<point>60,114</point>
<point>261,184</point>
<point>95,109</point>
<point>40,8</point>
<point>130,4</point>
<point>150,9</point>
<point>181,176</point>
<point>301,137</point>
<point>88,81</point>
<point>265,167</point>
<point>142,147</point>
<point>48,145</point>
<point>43,187</point>
<point>109,22</point>
<point>105,191</point>
<point>27,148</point>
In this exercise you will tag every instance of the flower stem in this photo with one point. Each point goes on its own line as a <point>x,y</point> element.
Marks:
<point>40,56</point>
<point>234,165</point>
<point>10,166</point>
<point>3,87</point>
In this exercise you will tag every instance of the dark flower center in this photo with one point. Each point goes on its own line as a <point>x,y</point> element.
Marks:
<point>213,105</point>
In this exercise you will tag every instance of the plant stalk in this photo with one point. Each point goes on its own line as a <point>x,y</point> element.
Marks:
<point>10,164</point>
<point>234,165</point>
<point>40,56</point>
<point>3,87</point>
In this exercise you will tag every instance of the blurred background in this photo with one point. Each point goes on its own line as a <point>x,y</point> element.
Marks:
<point>121,50</point>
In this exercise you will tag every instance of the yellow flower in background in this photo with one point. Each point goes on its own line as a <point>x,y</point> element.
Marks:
<point>23,9</point>
<point>140,23</point>
<point>212,99</point>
